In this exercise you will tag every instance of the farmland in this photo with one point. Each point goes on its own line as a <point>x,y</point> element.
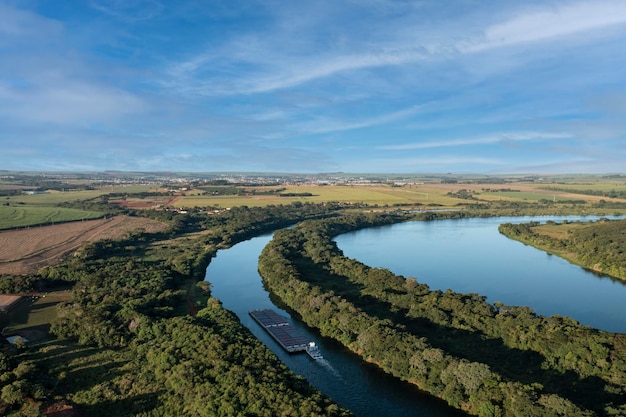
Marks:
<point>22,215</point>
<point>53,197</point>
<point>133,294</point>
<point>25,251</point>
<point>372,195</point>
<point>385,195</point>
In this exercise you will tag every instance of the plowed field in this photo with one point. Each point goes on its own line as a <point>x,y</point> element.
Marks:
<point>25,251</point>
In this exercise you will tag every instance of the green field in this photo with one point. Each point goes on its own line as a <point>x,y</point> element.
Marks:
<point>56,197</point>
<point>609,190</point>
<point>32,317</point>
<point>527,195</point>
<point>375,194</point>
<point>382,195</point>
<point>21,216</point>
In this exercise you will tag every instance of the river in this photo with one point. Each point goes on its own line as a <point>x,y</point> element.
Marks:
<point>465,255</point>
<point>470,255</point>
<point>341,375</point>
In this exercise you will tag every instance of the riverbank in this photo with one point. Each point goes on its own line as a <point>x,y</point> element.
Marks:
<point>595,246</point>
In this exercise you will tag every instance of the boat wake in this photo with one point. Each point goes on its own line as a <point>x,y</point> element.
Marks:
<point>329,367</point>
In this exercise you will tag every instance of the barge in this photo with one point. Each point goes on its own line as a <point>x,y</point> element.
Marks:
<point>284,333</point>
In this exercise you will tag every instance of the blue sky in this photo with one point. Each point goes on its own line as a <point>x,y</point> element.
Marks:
<point>364,86</point>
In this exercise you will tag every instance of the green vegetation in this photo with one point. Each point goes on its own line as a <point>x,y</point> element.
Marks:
<point>53,198</point>
<point>140,337</point>
<point>489,360</point>
<point>19,380</point>
<point>609,189</point>
<point>375,195</point>
<point>140,333</point>
<point>598,246</point>
<point>526,195</point>
<point>23,216</point>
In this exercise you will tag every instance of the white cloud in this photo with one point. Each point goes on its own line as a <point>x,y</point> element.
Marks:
<point>312,71</point>
<point>16,24</point>
<point>321,125</point>
<point>502,137</point>
<point>129,10</point>
<point>550,23</point>
<point>269,68</point>
<point>284,72</point>
<point>423,164</point>
<point>44,77</point>
<point>69,103</point>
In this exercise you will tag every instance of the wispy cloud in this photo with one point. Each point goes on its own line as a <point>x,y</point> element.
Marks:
<point>325,125</point>
<point>186,77</point>
<point>44,80</point>
<point>20,26</point>
<point>129,10</point>
<point>484,140</point>
<point>308,72</point>
<point>549,23</point>
<point>267,69</point>
<point>323,85</point>
<point>442,163</point>
<point>69,103</point>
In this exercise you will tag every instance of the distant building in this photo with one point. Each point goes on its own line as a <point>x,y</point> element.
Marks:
<point>8,302</point>
<point>15,340</point>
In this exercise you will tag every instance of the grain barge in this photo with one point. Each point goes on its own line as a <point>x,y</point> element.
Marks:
<point>279,328</point>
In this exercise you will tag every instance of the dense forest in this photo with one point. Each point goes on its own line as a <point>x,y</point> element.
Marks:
<point>598,246</point>
<point>489,360</point>
<point>142,335</point>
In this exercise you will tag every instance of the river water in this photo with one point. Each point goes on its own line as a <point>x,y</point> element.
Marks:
<point>470,255</point>
<point>464,255</point>
<point>341,375</point>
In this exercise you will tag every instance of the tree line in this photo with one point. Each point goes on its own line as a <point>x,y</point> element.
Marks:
<point>599,246</point>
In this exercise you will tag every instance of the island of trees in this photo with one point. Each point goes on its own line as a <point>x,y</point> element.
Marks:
<point>489,360</point>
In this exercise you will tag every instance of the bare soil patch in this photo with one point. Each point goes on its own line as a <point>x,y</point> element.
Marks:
<point>14,187</point>
<point>145,203</point>
<point>25,251</point>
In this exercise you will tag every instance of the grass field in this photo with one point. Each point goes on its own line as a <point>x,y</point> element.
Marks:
<point>560,230</point>
<point>21,216</point>
<point>23,209</point>
<point>585,188</point>
<point>374,195</point>
<point>32,317</point>
<point>56,197</point>
<point>528,196</point>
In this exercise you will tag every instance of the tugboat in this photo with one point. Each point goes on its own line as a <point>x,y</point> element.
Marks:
<point>313,351</point>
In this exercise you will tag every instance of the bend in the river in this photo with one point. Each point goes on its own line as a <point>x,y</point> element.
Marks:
<point>466,255</point>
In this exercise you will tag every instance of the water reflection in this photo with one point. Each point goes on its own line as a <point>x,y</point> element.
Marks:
<point>471,256</point>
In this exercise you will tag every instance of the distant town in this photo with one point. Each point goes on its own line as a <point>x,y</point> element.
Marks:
<point>268,179</point>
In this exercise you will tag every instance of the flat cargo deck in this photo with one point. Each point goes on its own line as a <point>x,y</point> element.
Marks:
<point>279,328</point>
